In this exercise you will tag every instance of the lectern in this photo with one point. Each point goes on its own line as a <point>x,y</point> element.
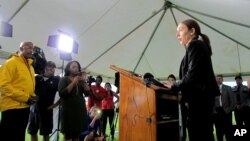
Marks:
<point>146,113</point>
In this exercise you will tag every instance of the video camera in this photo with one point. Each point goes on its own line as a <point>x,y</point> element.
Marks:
<point>39,60</point>
<point>90,80</point>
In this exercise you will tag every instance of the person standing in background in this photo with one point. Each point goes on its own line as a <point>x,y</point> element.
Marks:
<point>183,105</point>
<point>197,82</point>
<point>108,111</point>
<point>224,105</point>
<point>97,95</point>
<point>242,110</point>
<point>172,79</point>
<point>17,88</point>
<point>41,115</point>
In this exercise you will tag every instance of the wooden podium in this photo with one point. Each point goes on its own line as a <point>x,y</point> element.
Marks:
<point>146,113</point>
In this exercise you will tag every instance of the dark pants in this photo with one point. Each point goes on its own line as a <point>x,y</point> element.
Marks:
<point>108,114</point>
<point>242,116</point>
<point>40,120</point>
<point>223,124</point>
<point>200,120</point>
<point>13,124</point>
<point>184,121</point>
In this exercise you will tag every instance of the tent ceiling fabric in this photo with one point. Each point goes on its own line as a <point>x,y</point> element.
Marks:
<point>99,24</point>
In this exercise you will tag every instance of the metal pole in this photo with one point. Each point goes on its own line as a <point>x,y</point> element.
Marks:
<point>166,5</point>
<point>98,57</point>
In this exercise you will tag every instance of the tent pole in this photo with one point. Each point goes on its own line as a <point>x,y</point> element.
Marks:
<point>18,10</point>
<point>167,4</point>
<point>214,17</point>
<point>232,39</point>
<point>238,53</point>
<point>176,23</point>
<point>98,57</point>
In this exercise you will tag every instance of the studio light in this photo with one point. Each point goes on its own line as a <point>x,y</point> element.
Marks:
<point>6,29</point>
<point>65,44</point>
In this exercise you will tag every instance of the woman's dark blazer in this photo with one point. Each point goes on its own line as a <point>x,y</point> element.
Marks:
<point>196,73</point>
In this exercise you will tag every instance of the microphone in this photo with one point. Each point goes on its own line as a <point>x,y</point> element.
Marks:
<point>149,79</point>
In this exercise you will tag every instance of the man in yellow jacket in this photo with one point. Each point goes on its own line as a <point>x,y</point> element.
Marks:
<point>17,86</point>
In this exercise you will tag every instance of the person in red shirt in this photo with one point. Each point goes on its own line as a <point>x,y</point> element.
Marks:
<point>108,107</point>
<point>98,93</point>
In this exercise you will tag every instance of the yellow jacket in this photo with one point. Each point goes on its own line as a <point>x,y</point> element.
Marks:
<point>17,83</point>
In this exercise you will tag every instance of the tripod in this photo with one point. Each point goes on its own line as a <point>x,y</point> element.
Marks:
<point>59,112</point>
<point>56,131</point>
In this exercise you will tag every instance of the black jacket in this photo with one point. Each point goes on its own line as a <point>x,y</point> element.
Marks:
<point>196,73</point>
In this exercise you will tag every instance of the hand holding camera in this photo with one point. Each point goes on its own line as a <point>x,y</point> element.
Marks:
<point>83,76</point>
<point>32,100</point>
<point>75,80</point>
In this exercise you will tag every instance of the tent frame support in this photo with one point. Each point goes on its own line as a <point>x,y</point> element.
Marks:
<point>167,5</point>
<point>17,11</point>
<point>216,30</point>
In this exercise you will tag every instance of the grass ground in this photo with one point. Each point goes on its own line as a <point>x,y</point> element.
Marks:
<point>107,132</point>
<point>27,137</point>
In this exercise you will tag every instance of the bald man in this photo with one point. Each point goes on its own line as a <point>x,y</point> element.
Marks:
<point>17,86</point>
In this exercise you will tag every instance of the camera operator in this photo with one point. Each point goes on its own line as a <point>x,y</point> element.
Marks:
<point>17,86</point>
<point>97,95</point>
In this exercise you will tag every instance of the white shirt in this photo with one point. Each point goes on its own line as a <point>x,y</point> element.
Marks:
<point>220,87</point>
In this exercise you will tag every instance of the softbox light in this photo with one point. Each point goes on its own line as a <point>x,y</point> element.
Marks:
<point>65,56</point>
<point>6,29</point>
<point>65,44</point>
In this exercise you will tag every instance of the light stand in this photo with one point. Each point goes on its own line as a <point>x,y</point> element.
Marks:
<point>66,46</point>
<point>57,130</point>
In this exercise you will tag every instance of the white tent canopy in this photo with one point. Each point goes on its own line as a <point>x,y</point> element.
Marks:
<point>117,32</point>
